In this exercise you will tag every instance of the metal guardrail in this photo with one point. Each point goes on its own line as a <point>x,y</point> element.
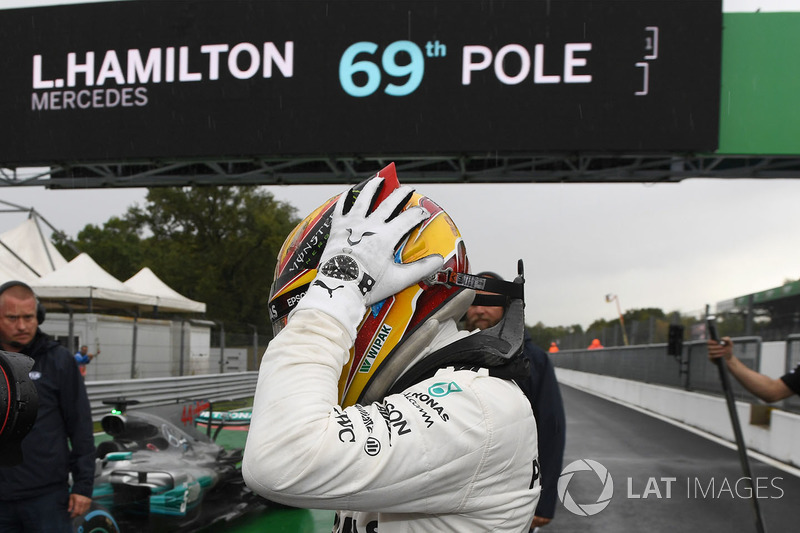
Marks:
<point>691,371</point>
<point>648,363</point>
<point>169,390</point>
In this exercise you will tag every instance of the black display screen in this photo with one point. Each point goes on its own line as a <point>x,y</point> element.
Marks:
<point>127,81</point>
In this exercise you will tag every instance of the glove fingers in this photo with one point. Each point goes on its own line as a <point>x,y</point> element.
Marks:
<point>402,276</point>
<point>362,202</point>
<point>366,197</point>
<point>393,203</point>
<point>407,221</point>
<point>421,268</point>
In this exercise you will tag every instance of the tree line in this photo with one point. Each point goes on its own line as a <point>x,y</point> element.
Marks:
<point>214,244</point>
<point>219,244</point>
<point>642,326</point>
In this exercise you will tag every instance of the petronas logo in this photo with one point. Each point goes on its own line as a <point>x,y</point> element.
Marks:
<point>375,349</point>
<point>438,390</point>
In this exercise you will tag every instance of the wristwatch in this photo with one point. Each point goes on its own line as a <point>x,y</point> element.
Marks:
<point>341,267</point>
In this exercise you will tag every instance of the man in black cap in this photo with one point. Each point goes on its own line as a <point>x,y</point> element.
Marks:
<point>548,408</point>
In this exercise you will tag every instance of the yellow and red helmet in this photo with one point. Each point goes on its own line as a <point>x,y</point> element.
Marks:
<point>388,323</point>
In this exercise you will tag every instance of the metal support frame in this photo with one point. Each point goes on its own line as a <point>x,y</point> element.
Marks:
<point>255,347</point>
<point>447,168</point>
<point>133,346</point>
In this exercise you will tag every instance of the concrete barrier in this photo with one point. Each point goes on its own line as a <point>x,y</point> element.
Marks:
<point>776,439</point>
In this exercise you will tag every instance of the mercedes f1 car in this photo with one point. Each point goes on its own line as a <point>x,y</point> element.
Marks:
<point>161,473</point>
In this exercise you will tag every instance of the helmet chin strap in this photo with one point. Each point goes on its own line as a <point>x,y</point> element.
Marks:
<point>498,348</point>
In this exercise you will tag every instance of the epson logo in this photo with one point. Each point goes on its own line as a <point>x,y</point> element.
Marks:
<point>292,300</point>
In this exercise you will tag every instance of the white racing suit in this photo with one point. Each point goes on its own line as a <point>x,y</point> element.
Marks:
<point>453,453</point>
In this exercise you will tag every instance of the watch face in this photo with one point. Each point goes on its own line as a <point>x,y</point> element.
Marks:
<point>341,267</point>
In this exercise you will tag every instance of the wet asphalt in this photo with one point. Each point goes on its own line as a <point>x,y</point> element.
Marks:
<point>665,478</point>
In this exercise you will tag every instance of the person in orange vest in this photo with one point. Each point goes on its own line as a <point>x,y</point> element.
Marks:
<point>553,348</point>
<point>595,345</point>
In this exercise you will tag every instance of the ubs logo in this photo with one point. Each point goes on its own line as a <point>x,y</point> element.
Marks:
<point>372,447</point>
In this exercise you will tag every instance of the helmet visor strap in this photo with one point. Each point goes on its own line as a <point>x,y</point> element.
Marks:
<point>507,289</point>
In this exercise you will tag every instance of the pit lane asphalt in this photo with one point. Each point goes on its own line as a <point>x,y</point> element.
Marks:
<point>638,451</point>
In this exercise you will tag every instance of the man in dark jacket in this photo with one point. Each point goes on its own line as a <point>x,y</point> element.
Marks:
<point>36,496</point>
<point>548,408</point>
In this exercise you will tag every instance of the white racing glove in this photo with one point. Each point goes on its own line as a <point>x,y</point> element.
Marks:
<point>357,267</point>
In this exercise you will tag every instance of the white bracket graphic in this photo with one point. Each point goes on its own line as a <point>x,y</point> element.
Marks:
<point>651,47</point>
<point>652,42</point>
<point>646,74</point>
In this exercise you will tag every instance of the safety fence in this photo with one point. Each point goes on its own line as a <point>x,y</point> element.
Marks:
<point>769,325</point>
<point>649,363</point>
<point>690,369</point>
<point>141,348</point>
<point>636,333</point>
<point>152,392</point>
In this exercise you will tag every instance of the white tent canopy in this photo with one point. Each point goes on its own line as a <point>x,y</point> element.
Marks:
<point>26,254</point>
<point>146,282</point>
<point>83,279</point>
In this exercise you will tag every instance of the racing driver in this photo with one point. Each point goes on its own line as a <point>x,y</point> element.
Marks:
<point>370,401</point>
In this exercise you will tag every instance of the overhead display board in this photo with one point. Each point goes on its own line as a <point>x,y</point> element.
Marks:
<point>145,80</point>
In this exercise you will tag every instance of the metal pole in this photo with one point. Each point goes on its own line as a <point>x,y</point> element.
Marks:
<point>737,428</point>
<point>615,298</point>
<point>133,348</point>
<point>621,321</point>
<point>71,331</point>
<point>180,363</point>
<point>255,347</point>
<point>221,348</point>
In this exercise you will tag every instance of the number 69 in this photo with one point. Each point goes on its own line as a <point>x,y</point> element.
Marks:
<point>348,67</point>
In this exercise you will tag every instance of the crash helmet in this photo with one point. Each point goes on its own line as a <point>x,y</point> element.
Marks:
<point>389,323</point>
